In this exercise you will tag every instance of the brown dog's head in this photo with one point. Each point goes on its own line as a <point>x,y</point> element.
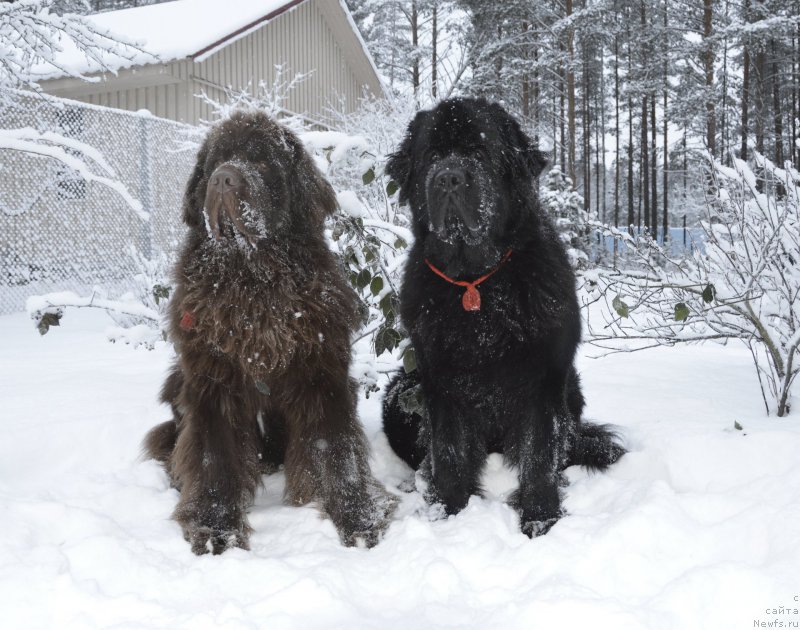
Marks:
<point>255,183</point>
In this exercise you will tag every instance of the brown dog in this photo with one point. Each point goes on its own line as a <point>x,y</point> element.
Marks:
<point>262,318</point>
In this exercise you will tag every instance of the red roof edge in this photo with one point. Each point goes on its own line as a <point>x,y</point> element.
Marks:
<point>247,27</point>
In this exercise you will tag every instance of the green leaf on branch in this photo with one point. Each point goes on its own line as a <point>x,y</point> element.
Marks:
<point>363,278</point>
<point>387,304</point>
<point>49,318</point>
<point>391,188</point>
<point>622,309</point>
<point>376,286</point>
<point>400,243</point>
<point>681,312</point>
<point>409,360</point>
<point>161,292</point>
<point>386,339</point>
<point>709,293</point>
<point>368,177</point>
<point>737,426</point>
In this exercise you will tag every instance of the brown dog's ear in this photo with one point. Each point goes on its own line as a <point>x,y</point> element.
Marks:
<point>192,208</point>
<point>308,185</point>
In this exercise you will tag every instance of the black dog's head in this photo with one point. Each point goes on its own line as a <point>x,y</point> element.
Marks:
<point>467,169</point>
<point>254,183</point>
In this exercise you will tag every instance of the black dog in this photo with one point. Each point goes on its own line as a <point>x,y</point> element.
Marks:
<point>489,300</point>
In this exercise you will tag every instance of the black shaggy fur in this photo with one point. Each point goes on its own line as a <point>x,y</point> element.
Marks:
<point>261,319</point>
<point>500,378</point>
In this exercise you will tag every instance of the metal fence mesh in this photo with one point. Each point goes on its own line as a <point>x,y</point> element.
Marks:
<point>61,232</point>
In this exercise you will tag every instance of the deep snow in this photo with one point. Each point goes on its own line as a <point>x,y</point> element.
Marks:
<point>697,527</point>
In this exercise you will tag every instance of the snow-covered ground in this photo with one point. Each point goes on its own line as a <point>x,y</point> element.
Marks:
<point>697,527</point>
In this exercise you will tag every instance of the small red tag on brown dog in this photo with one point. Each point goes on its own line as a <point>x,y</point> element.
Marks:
<point>187,321</point>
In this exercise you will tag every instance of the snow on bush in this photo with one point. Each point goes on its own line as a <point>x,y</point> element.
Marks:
<point>745,286</point>
<point>565,205</point>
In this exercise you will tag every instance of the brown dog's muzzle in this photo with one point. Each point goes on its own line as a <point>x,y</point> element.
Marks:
<point>225,192</point>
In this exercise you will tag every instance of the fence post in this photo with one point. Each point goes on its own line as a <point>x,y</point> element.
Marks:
<point>146,188</point>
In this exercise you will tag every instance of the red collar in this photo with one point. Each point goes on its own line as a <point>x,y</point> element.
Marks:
<point>471,300</point>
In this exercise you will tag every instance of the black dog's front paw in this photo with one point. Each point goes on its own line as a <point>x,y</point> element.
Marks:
<point>537,514</point>
<point>532,529</point>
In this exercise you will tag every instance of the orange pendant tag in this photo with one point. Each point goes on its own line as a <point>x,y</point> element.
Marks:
<point>471,300</point>
<point>187,321</point>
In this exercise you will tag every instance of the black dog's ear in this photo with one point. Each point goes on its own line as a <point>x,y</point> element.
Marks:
<point>398,167</point>
<point>193,199</point>
<point>528,157</point>
<point>399,164</point>
<point>536,160</point>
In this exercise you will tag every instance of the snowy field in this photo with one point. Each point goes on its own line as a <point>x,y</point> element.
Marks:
<point>697,527</point>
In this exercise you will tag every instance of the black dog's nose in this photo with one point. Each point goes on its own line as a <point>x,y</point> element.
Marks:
<point>450,179</point>
<point>226,178</point>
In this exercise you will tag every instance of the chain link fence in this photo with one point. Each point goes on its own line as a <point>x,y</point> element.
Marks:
<point>60,232</point>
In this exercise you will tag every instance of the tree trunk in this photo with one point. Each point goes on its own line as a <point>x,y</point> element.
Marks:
<point>564,136</point>
<point>745,98</point>
<point>760,69</point>
<point>723,136</point>
<point>415,46</point>
<point>434,50</point>
<point>708,66</point>
<point>601,161</point>
<point>617,137</point>
<point>526,85</point>
<point>587,137</point>
<point>645,167</point>
<point>631,217</point>
<point>776,105</point>
<point>665,174</point>
<point>571,95</point>
<point>653,166</point>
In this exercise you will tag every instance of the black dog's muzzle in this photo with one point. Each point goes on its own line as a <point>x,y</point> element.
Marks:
<point>454,198</point>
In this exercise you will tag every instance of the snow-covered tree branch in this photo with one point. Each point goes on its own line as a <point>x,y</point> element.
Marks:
<point>32,35</point>
<point>72,154</point>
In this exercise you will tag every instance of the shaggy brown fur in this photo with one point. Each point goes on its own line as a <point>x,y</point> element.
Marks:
<point>261,319</point>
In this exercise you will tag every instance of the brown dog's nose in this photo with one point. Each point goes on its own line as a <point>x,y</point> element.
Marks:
<point>226,178</point>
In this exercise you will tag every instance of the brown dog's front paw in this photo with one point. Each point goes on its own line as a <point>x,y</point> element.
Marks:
<point>364,525</point>
<point>204,539</point>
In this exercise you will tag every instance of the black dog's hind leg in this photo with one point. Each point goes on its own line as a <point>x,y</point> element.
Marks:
<point>403,410</point>
<point>596,446</point>
<point>592,445</point>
